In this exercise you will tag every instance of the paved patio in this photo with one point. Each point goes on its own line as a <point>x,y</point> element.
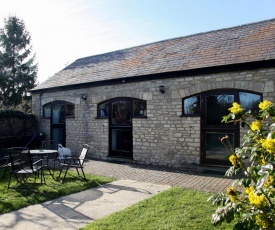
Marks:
<point>191,176</point>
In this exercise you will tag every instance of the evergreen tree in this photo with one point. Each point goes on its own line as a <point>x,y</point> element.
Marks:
<point>18,71</point>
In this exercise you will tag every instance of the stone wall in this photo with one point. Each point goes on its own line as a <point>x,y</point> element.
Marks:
<point>164,138</point>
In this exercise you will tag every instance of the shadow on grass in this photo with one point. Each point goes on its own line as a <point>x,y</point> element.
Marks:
<point>23,195</point>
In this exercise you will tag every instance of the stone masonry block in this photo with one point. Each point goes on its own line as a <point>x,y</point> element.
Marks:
<point>269,86</point>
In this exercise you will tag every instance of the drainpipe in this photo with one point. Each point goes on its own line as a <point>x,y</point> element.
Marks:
<point>39,114</point>
<point>85,112</point>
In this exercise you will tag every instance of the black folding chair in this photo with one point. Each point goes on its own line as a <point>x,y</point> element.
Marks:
<point>77,163</point>
<point>4,163</point>
<point>22,166</point>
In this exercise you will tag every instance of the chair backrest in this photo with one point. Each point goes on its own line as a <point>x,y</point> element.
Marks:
<point>50,144</point>
<point>83,154</point>
<point>20,158</point>
<point>2,157</point>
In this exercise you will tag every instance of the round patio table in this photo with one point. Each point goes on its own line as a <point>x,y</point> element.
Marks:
<point>44,155</point>
<point>43,151</point>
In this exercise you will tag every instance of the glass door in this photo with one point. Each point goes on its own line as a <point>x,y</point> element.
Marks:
<point>215,106</point>
<point>121,137</point>
<point>58,123</point>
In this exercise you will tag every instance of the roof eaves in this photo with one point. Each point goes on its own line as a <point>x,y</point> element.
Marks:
<point>166,75</point>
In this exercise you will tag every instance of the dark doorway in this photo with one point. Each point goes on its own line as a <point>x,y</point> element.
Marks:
<point>121,137</point>
<point>215,105</point>
<point>120,111</point>
<point>58,112</point>
<point>58,127</point>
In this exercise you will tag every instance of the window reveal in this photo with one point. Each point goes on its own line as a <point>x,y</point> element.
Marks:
<point>191,106</point>
<point>50,108</point>
<point>139,109</point>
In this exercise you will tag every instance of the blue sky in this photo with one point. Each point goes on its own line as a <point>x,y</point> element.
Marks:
<point>65,30</point>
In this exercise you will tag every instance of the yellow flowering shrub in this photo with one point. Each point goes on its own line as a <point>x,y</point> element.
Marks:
<point>256,125</point>
<point>269,145</point>
<point>235,160</point>
<point>263,161</point>
<point>232,193</point>
<point>236,108</point>
<point>252,203</point>
<point>270,181</point>
<point>249,189</point>
<point>265,105</point>
<point>257,200</point>
<point>262,221</point>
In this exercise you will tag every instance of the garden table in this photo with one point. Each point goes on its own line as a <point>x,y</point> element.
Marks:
<point>44,154</point>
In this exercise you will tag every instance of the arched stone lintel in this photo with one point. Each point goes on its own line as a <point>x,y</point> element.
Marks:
<point>259,87</point>
<point>109,96</point>
<point>74,100</point>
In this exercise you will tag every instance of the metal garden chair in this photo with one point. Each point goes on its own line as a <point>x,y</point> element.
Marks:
<point>22,166</point>
<point>77,163</point>
<point>4,163</point>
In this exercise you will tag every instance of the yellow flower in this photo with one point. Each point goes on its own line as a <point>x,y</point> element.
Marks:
<point>269,145</point>
<point>235,160</point>
<point>256,125</point>
<point>270,181</point>
<point>265,104</point>
<point>236,108</point>
<point>257,200</point>
<point>232,193</point>
<point>263,161</point>
<point>262,221</point>
<point>249,189</point>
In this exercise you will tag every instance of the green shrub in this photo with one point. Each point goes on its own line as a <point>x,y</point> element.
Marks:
<point>250,200</point>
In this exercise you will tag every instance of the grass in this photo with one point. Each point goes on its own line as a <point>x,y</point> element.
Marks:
<point>176,208</point>
<point>14,199</point>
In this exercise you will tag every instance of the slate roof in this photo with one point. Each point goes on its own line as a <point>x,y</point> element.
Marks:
<point>241,44</point>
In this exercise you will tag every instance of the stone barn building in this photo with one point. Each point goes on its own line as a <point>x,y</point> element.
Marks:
<point>160,103</point>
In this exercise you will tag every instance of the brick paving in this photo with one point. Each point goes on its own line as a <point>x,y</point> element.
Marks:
<point>191,177</point>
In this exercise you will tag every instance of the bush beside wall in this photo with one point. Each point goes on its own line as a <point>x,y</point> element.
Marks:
<point>17,128</point>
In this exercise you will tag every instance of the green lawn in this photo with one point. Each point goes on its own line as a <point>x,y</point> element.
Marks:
<point>13,199</point>
<point>176,208</point>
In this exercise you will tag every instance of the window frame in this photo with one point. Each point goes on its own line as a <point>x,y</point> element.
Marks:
<point>144,109</point>
<point>107,107</point>
<point>195,114</point>
<point>221,91</point>
<point>109,103</point>
<point>65,103</point>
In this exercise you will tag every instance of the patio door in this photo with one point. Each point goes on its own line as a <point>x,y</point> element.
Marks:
<point>214,107</point>
<point>120,128</point>
<point>58,123</point>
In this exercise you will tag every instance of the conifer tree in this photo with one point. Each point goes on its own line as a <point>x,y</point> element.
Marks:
<point>18,72</point>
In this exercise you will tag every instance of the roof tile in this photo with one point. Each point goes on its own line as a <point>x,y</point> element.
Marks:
<point>246,43</point>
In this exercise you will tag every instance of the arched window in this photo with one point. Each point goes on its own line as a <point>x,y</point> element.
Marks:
<point>65,107</point>
<point>249,101</point>
<point>191,106</point>
<point>138,108</point>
